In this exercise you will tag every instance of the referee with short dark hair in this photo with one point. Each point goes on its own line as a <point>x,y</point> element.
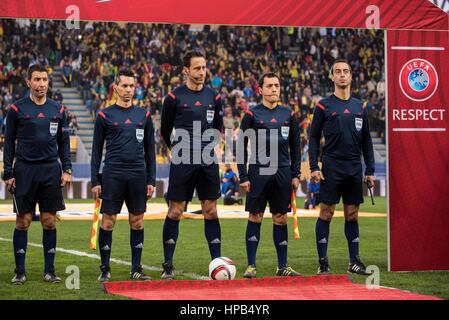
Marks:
<point>273,132</point>
<point>343,121</point>
<point>36,136</point>
<point>190,105</point>
<point>129,172</point>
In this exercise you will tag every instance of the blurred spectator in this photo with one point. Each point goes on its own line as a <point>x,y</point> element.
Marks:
<point>57,96</point>
<point>67,72</point>
<point>248,91</point>
<point>229,185</point>
<point>73,123</point>
<point>229,182</point>
<point>313,195</point>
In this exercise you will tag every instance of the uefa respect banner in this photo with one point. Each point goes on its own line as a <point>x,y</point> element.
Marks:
<point>418,149</point>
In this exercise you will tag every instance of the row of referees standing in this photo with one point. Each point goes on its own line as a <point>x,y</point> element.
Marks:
<point>37,166</point>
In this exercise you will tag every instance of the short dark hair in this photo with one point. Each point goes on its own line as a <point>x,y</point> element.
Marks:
<point>187,59</point>
<point>267,75</point>
<point>123,72</point>
<point>35,68</point>
<point>340,61</point>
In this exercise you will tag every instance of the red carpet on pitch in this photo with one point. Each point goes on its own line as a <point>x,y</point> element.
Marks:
<point>331,287</point>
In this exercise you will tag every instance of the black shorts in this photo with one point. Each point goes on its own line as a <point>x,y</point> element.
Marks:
<point>342,178</point>
<point>184,178</point>
<point>120,185</point>
<point>275,189</point>
<point>38,183</point>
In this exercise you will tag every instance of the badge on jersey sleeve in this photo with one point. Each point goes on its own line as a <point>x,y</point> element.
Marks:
<point>53,128</point>
<point>139,135</point>
<point>358,123</point>
<point>284,131</point>
<point>210,116</point>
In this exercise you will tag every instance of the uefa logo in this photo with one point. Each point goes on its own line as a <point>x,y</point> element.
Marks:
<point>418,79</point>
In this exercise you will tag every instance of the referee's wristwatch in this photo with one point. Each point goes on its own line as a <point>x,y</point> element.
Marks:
<point>68,171</point>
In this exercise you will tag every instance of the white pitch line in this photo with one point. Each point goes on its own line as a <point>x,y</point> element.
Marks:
<point>117,261</point>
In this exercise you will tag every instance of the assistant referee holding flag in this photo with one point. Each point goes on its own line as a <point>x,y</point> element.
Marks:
<point>270,123</point>
<point>129,173</point>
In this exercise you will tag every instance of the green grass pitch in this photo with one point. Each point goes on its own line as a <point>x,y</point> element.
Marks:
<point>192,255</point>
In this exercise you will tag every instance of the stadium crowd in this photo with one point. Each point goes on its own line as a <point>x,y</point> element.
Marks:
<point>90,56</point>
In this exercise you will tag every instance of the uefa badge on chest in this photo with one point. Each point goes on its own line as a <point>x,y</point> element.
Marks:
<point>139,135</point>
<point>210,116</point>
<point>53,128</point>
<point>284,131</point>
<point>358,124</point>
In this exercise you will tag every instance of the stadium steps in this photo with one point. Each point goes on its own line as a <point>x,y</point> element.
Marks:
<point>74,103</point>
<point>380,149</point>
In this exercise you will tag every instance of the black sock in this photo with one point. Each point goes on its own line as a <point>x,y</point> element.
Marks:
<point>49,243</point>
<point>136,242</point>
<point>352,235</point>
<point>105,244</point>
<point>170,233</point>
<point>20,241</point>
<point>280,238</point>
<point>252,241</point>
<point>322,237</point>
<point>212,232</point>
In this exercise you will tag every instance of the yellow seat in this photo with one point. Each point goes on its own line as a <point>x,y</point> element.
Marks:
<point>73,143</point>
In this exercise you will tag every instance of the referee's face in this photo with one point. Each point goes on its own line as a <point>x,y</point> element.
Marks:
<point>271,89</point>
<point>196,73</point>
<point>341,75</point>
<point>38,84</point>
<point>125,88</point>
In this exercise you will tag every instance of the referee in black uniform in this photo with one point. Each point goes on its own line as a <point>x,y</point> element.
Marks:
<point>343,120</point>
<point>271,125</point>
<point>129,173</point>
<point>192,105</point>
<point>36,136</point>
